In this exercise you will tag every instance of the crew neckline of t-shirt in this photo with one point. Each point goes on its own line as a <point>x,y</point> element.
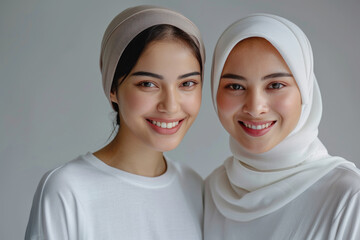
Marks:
<point>149,182</point>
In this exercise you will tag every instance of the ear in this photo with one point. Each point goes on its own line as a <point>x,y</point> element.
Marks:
<point>113,97</point>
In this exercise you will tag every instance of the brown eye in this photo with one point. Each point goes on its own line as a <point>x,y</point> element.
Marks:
<point>146,84</point>
<point>235,86</point>
<point>188,84</point>
<point>276,85</point>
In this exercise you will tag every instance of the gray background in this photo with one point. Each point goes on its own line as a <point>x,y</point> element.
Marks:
<point>53,107</point>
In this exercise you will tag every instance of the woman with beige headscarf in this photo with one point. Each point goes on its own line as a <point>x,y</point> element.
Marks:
<point>152,63</point>
<point>280,182</point>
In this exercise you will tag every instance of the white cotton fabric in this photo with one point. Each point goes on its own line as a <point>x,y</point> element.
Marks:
<point>255,185</point>
<point>87,199</point>
<point>328,210</point>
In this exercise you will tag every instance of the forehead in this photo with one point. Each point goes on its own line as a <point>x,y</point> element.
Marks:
<point>160,48</point>
<point>167,58</point>
<point>165,43</point>
<point>253,54</point>
<point>254,44</point>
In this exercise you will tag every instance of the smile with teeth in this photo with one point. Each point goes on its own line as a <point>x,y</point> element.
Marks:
<point>164,124</point>
<point>257,127</point>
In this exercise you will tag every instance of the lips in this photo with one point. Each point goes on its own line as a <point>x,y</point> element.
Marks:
<point>257,129</point>
<point>166,127</point>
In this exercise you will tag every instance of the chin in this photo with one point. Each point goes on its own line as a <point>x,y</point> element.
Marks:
<point>255,148</point>
<point>165,146</point>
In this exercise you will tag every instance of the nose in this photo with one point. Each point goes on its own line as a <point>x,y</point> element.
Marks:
<point>169,101</point>
<point>255,103</point>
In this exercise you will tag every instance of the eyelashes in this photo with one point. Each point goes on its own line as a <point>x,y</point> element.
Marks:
<point>188,84</point>
<point>234,86</point>
<point>146,84</point>
<point>276,85</point>
<point>271,86</point>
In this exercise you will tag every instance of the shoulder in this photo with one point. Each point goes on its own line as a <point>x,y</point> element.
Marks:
<point>216,176</point>
<point>190,180</point>
<point>219,172</point>
<point>211,213</point>
<point>191,184</point>
<point>64,178</point>
<point>56,209</point>
<point>338,191</point>
<point>185,172</point>
<point>345,187</point>
<point>345,179</point>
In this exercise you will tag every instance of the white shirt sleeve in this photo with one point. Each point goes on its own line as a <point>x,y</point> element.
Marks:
<point>56,213</point>
<point>348,219</point>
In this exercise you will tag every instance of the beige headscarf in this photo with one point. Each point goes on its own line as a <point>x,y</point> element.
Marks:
<point>127,25</point>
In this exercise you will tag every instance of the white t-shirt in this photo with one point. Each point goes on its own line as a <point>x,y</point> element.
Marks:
<point>87,199</point>
<point>330,209</point>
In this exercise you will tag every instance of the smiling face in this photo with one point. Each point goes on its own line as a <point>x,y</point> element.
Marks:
<point>258,100</point>
<point>161,96</point>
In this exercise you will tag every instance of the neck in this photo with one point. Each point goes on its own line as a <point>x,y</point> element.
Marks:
<point>128,153</point>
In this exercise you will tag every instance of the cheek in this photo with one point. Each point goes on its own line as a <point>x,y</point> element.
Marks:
<point>191,103</point>
<point>289,107</point>
<point>135,103</point>
<point>226,104</point>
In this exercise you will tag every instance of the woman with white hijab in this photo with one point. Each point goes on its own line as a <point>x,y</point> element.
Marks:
<point>151,62</point>
<point>280,182</point>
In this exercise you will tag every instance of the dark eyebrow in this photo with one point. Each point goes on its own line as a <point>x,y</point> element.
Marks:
<point>233,76</point>
<point>188,75</point>
<point>276,75</point>
<point>273,75</point>
<point>148,74</point>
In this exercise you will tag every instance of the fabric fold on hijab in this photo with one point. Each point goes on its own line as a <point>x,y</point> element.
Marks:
<point>254,185</point>
<point>127,25</point>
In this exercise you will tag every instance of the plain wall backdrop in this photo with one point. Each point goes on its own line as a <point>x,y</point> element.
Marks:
<point>52,105</point>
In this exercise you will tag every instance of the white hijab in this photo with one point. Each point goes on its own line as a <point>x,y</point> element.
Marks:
<point>278,176</point>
